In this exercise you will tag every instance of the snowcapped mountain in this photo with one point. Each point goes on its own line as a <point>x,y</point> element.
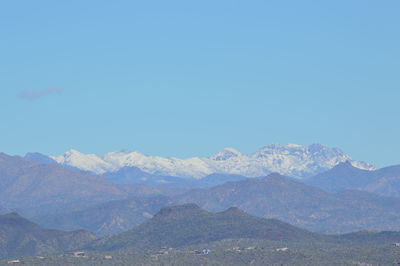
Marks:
<point>291,160</point>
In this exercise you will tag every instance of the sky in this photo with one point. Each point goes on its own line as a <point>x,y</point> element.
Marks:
<point>188,78</point>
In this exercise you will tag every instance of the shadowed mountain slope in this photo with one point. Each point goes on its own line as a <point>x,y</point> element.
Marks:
<point>20,237</point>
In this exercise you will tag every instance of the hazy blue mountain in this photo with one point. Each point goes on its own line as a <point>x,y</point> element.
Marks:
<point>341,177</point>
<point>133,175</point>
<point>129,175</point>
<point>305,206</point>
<point>372,238</point>
<point>272,197</point>
<point>38,158</point>
<point>4,210</point>
<point>219,179</point>
<point>384,181</point>
<point>107,218</point>
<point>20,237</point>
<point>387,181</point>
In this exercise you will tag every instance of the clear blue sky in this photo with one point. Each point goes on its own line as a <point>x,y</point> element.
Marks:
<point>187,78</point>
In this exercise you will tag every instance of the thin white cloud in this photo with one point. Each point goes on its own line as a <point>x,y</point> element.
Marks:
<point>35,94</point>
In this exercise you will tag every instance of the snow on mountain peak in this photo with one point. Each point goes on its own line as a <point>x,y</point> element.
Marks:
<point>292,145</point>
<point>226,154</point>
<point>291,160</point>
<point>87,162</point>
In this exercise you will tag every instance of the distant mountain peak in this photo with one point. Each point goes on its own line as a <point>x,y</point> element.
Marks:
<point>346,166</point>
<point>344,175</point>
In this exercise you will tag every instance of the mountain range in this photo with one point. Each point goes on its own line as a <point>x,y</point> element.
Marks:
<point>188,235</point>
<point>129,203</point>
<point>274,196</point>
<point>291,160</point>
<point>66,198</point>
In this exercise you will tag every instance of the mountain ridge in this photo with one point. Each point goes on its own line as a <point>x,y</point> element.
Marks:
<point>292,160</point>
<point>274,196</point>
